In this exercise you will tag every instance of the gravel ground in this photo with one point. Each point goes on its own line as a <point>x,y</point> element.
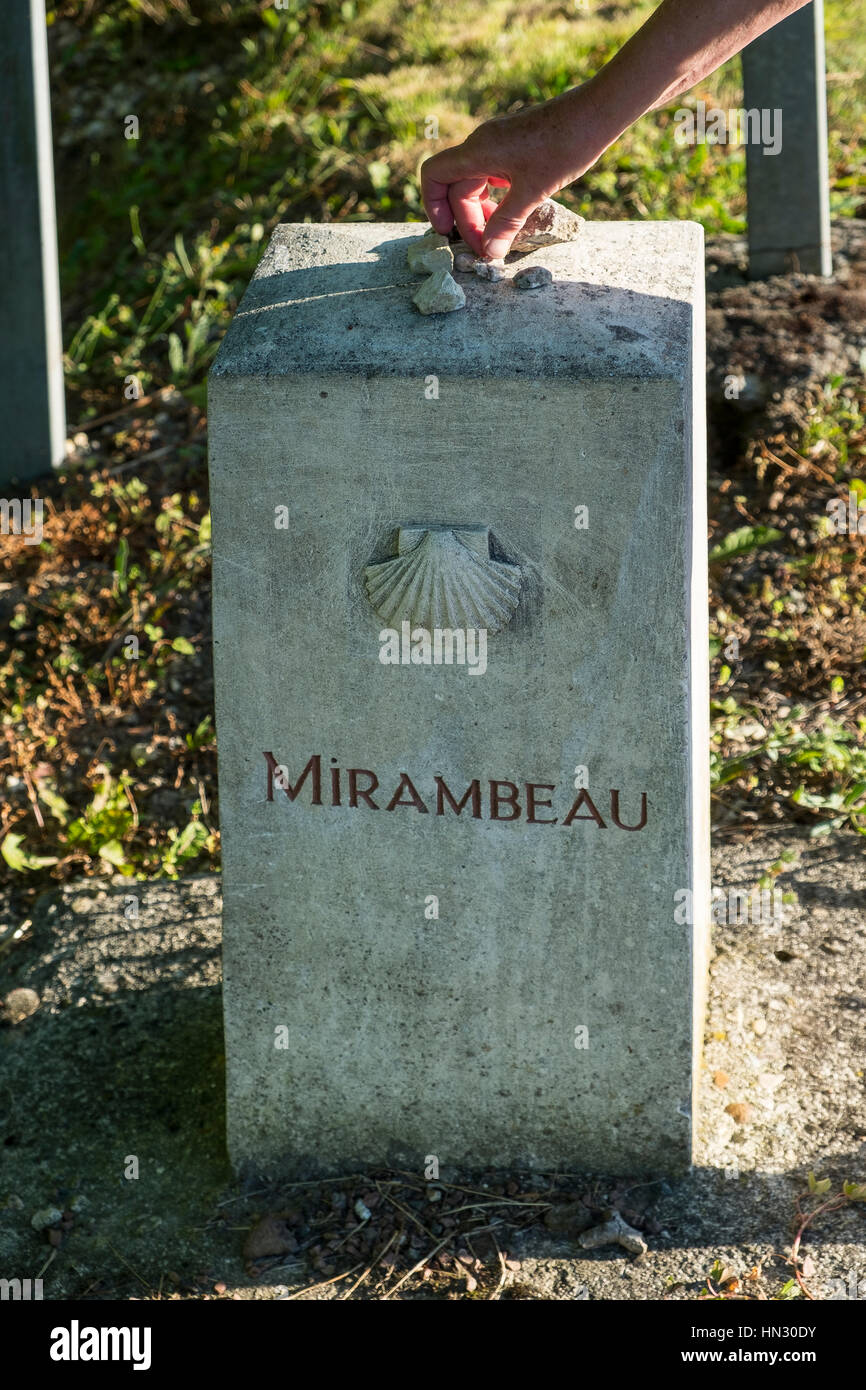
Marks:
<point>121,1060</point>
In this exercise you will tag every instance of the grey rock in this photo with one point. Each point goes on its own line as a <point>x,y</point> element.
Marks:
<point>45,1217</point>
<point>429,253</point>
<point>20,1004</point>
<point>465,261</point>
<point>440,294</point>
<point>550,224</point>
<point>533,277</point>
<point>489,270</point>
<point>615,1231</point>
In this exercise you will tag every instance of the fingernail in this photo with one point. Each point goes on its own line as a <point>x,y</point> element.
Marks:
<point>496,249</point>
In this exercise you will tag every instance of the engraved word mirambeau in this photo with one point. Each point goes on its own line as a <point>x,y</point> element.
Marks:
<point>495,799</point>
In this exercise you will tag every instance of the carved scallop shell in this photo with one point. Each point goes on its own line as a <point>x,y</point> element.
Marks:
<point>444,582</point>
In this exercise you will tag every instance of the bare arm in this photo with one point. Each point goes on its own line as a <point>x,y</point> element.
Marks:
<point>541,149</point>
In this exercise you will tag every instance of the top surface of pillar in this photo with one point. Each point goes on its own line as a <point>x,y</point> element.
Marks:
<point>337,299</point>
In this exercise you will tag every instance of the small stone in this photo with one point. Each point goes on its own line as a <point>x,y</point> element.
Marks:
<point>429,253</point>
<point>77,446</point>
<point>269,1237</point>
<point>45,1217</point>
<point>614,1232</point>
<point>721,1079</point>
<point>549,224</point>
<point>740,1111</point>
<point>489,270</point>
<point>568,1218</point>
<point>20,1004</point>
<point>434,1194</point>
<point>533,277</point>
<point>464,260</point>
<point>770,1080</point>
<point>362,1211</point>
<point>440,294</point>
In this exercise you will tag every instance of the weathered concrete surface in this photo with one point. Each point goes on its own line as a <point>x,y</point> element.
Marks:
<point>789,192</point>
<point>124,1056</point>
<point>32,413</point>
<point>408,1036</point>
<point>329,299</point>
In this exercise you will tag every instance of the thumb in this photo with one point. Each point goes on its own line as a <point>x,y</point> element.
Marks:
<point>507,221</point>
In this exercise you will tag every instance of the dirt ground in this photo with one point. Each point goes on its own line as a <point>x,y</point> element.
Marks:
<point>784,335</point>
<point>113,1177</point>
<point>116,1056</point>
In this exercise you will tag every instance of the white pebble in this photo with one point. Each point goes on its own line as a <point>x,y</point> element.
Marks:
<point>489,270</point>
<point>430,253</point>
<point>439,294</point>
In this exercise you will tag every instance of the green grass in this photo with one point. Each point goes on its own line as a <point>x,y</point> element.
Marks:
<point>250,115</point>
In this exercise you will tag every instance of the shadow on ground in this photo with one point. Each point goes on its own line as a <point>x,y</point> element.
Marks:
<point>118,1070</point>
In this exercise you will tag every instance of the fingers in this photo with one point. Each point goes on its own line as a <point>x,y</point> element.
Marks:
<point>435,196</point>
<point>467,198</point>
<point>438,173</point>
<point>506,222</point>
<point>455,187</point>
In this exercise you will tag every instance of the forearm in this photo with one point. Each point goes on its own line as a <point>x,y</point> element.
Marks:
<point>540,149</point>
<point>680,44</point>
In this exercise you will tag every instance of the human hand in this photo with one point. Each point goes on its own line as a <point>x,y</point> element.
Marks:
<point>534,153</point>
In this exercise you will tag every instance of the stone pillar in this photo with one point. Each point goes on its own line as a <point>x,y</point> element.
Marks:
<point>32,418</point>
<point>465,900</point>
<point>789,191</point>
